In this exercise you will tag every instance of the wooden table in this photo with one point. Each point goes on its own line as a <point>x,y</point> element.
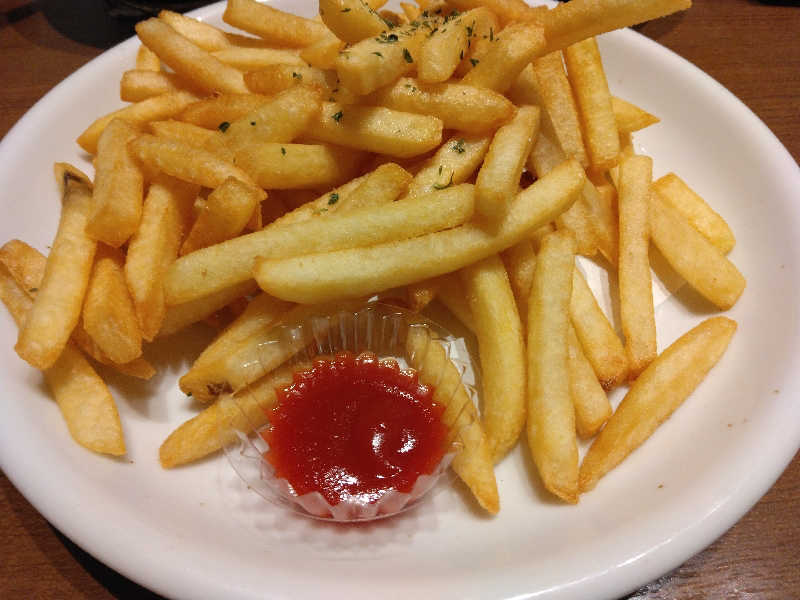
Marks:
<point>751,48</point>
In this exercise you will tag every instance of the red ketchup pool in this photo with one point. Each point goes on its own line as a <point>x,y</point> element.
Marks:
<point>354,428</point>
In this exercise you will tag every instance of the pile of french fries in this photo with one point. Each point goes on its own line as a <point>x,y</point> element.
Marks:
<point>459,150</point>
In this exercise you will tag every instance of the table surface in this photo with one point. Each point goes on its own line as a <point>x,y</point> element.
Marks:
<point>752,48</point>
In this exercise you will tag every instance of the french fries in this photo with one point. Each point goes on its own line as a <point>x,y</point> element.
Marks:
<point>277,27</point>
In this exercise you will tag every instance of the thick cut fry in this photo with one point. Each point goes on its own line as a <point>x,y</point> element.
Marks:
<point>140,84</point>
<point>483,28</point>
<point>551,415</point>
<point>655,395</point>
<point>27,265</point>
<point>588,80</point>
<point>473,464</point>
<point>118,187</point>
<point>154,247</point>
<point>462,107</point>
<point>157,108</point>
<point>84,400</point>
<point>298,166</point>
<point>578,20</point>
<point>520,263</point>
<point>57,307</point>
<point>185,162</point>
<point>351,20</point>
<point>375,62</point>
<point>693,257</point>
<point>109,316</point>
<point>444,48</point>
<point>201,34</point>
<point>224,214</point>
<point>376,129</point>
<point>255,59</point>
<point>188,60</point>
<point>635,286</point>
<point>261,314</point>
<point>181,316</point>
<point>271,79</point>
<point>232,261</point>
<point>498,179</point>
<point>674,191</point>
<point>507,10</point>
<point>276,26</point>
<point>630,117</point>
<point>560,105</point>
<point>362,271</point>
<point>598,340</point>
<point>592,408</point>
<point>323,53</point>
<point>147,60</point>
<point>502,352</point>
<point>225,108</point>
<point>202,435</point>
<point>604,221</point>
<point>454,162</point>
<point>515,47</point>
<point>194,135</point>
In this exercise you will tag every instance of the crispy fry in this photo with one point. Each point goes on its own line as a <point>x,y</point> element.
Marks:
<point>225,108</point>
<point>140,84</point>
<point>630,117</point>
<point>181,316</point>
<point>255,59</point>
<point>206,36</point>
<point>551,415</point>
<point>323,53</point>
<point>57,306</point>
<point>507,10</point>
<point>271,79</point>
<point>592,408</point>
<point>454,162</point>
<point>147,60</point>
<point>444,48</point>
<point>502,352</point>
<point>351,20</point>
<point>277,27</point>
<point>655,395</point>
<point>520,263</point>
<point>473,464</point>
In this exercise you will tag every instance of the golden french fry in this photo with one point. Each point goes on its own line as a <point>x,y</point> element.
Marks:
<point>260,314</point>
<point>604,220</point>
<point>655,395</point>
<point>225,108</point>
<point>578,20</point>
<point>498,179</point>
<point>351,20</point>
<point>206,36</point>
<point>635,286</point>
<point>481,35</point>
<point>84,400</point>
<point>181,316</point>
<point>297,166</point>
<point>497,325</point>
<point>57,307</point>
<point>376,129</point>
<point>454,162</point>
<point>674,191</point>
<point>462,107</point>
<point>193,135</point>
<point>108,315</point>
<point>276,26</point>
<point>630,117</point>
<point>588,80</point>
<point>116,206</point>
<point>255,59</point>
<point>473,464</point>
<point>203,434</point>
<point>515,47</point>
<point>698,261</point>
<point>444,48</point>
<point>156,108</point>
<point>375,62</point>
<point>232,261</point>
<point>520,263</point>
<point>362,271</point>
<point>188,60</point>
<point>147,60</point>
<point>140,84</point>
<point>598,340</point>
<point>224,214</point>
<point>323,53</point>
<point>560,105</point>
<point>592,408</point>
<point>185,162</point>
<point>551,415</point>
<point>271,79</point>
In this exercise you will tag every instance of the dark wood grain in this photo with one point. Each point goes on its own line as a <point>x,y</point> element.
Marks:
<point>751,47</point>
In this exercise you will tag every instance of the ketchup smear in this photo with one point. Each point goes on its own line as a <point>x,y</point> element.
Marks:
<point>354,428</point>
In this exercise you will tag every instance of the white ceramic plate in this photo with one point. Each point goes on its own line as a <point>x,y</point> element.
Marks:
<point>196,532</point>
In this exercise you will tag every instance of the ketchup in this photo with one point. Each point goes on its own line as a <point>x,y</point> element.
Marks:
<point>354,428</point>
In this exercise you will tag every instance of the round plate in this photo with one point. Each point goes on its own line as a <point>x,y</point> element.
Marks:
<point>197,532</point>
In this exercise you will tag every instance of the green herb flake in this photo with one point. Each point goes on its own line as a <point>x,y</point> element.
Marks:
<point>439,186</point>
<point>474,61</point>
<point>378,54</point>
<point>458,147</point>
<point>33,290</point>
<point>223,127</point>
<point>491,34</point>
<point>253,123</point>
<point>333,199</point>
<point>345,10</point>
<point>440,169</point>
<point>283,150</point>
<point>338,116</point>
<point>297,76</point>
<point>407,55</point>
